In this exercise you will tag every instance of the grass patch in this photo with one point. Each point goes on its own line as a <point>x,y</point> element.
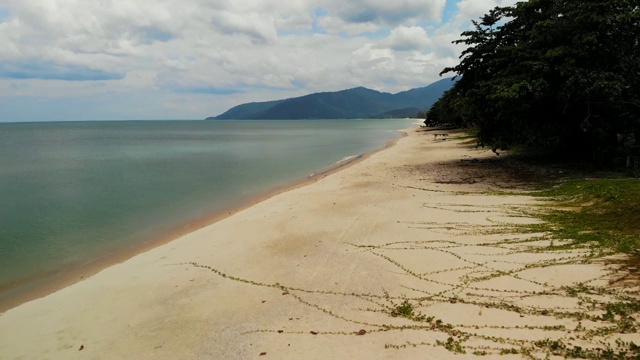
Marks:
<point>602,211</point>
<point>405,310</point>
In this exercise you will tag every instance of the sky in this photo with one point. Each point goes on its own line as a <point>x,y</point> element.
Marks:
<point>66,60</point>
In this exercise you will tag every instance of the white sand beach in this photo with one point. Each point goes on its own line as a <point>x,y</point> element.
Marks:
<point>404,255</point>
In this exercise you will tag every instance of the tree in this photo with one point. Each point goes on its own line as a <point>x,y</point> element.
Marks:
<point>562,74</point>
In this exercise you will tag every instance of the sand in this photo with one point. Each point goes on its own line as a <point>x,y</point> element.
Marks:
<point>409,254</point>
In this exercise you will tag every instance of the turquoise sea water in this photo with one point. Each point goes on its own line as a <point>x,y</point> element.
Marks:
<point>75,192</point>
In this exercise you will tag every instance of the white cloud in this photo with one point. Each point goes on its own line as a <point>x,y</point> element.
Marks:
<point>385,12</point>
<point>473,9</point>
<point>222,52</point>
<point>258,28</point>
<point>405,38</point>
<point>335,25</point>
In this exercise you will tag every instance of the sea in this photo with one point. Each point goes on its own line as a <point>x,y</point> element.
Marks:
<point>75,193</point>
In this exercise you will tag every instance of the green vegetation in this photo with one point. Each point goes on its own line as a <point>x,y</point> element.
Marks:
<point>555,74</point>
<point>453,345</point>
<point>405,310</point>
<point>584,221</point>
<point>603,211</point>
<point>600,216</point>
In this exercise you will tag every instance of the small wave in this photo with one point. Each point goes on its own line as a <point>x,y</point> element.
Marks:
<point>345,160</point>
<point>348,158</point>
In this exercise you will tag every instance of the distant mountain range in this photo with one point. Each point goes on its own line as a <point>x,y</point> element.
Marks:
<point>353,103</point>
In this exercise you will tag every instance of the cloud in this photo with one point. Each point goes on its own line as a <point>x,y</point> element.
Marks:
<point>371,59</point>
<point>209,90</point>
<point>212,54</point>
<point>259,29</point>
<point>403,38</point>
<point>335,25</point>
<point>46,70</point>
<point>472,9</point>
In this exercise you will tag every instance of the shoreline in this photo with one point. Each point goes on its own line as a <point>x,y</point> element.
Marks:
<point>41,285</point>
<point>415,252</point>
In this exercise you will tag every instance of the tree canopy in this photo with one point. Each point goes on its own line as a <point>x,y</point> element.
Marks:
<point>561,74</point>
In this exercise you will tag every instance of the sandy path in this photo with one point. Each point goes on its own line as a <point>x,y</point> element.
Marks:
<point>407,246</point>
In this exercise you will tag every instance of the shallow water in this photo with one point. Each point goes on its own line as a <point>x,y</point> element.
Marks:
<point>74,192</point>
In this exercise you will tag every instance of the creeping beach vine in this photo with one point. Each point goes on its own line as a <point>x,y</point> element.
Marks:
<point>501,277</point>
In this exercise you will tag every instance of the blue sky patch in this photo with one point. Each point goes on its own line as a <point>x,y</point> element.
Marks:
<point>151,34</point>
<point>298,83</point>
<point>319,12</point>
<point>4,14</point>
<point>47,70</point>
<point>450,11</point>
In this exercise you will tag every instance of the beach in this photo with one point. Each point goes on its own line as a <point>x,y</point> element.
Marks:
<point>410,253</point>
<point>79,196</point>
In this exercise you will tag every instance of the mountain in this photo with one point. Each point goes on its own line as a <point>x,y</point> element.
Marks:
<point>353,103</point>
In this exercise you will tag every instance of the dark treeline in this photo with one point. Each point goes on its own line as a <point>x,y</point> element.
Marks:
<point>558,74</point>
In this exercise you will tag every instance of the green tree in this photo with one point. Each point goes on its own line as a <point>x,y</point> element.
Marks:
<point>563,74</point>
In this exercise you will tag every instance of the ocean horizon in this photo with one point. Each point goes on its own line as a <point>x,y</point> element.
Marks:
<point>77,192</point>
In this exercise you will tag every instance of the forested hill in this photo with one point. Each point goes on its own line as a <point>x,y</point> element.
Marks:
<point>353,103</point>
